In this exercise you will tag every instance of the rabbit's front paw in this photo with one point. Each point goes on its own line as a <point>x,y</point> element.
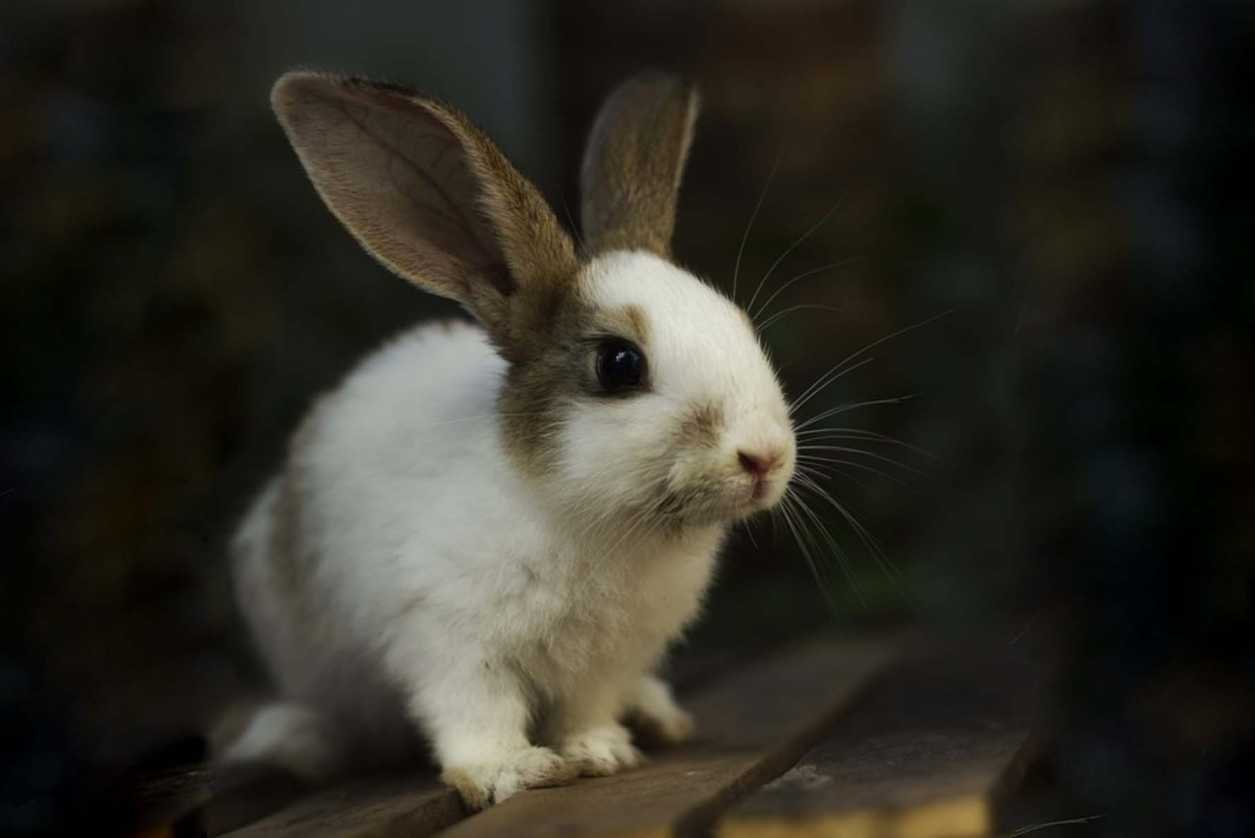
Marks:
<point>601,751</point>
<point>483,783</point>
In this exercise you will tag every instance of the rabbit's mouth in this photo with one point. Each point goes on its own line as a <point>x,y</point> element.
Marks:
<point>763,495</point>
<point>713,502</point>
<point>761,489</point>
<point>760,500</point>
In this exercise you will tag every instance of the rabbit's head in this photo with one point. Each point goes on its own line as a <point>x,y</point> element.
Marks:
<point>633,389</point>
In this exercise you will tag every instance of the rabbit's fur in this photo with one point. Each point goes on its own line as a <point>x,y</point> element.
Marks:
<point>476,536</point>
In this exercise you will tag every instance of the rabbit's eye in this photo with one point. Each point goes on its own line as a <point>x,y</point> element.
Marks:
<point>620,365</point>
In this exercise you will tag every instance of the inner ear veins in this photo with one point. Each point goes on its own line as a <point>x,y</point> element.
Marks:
<point>701,425</point>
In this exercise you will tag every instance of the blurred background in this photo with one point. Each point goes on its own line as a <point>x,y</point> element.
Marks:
<point>1055,194</point>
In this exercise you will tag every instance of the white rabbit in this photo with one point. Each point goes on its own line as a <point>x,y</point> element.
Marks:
<point>490,533</point>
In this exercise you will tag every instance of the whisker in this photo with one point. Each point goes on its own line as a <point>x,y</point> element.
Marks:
<point>863,434</point>
<point>789,250</point>
<point>828,470</point>
<point>635,522</point>
<point>786,285</point>
<point>862,452</point>
<point>869,541</point>
<point>749,531</point>
<point>820,382</point>
<point>892,478</point>
<point>792,521</point>
<point>609,520</point>
<point>846,408</point>
<point>745,237</point>
<point>837,552</point>
<point>801,401</point>
<point>771,514</point>
<point>787,311</point>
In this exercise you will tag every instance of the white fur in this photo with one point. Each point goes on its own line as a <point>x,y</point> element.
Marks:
<point>702,348</point>
<point>514,619</point>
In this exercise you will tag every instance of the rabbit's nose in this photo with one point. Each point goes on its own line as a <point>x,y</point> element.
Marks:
<point>759,462</point>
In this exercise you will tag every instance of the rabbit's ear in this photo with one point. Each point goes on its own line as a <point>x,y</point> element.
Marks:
<point>630,177</point>
<point>427,194</point>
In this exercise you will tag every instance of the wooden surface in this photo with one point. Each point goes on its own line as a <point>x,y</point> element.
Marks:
<point>858,738</point>
<point>168,794</point>
<point>753,726</point>
<point>922,754</point>
<point>372,807</point>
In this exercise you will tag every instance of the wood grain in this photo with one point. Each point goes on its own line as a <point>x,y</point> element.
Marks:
<point>367,808</point>
<point>922,754</point>
<point>754,725</point>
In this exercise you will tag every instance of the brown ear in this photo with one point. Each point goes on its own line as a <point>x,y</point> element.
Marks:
<point>631,173</point>
<point>425,192</point>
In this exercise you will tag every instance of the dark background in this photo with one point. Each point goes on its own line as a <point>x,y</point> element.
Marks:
<point>1068,183</point>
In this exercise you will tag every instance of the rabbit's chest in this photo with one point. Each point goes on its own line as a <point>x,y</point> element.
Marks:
<point>624,610</point>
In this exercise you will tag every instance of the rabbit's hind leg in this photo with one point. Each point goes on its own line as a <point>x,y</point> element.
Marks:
<point>283,734</point>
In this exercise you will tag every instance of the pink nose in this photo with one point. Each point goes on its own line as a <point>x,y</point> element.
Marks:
<point>758,463</point>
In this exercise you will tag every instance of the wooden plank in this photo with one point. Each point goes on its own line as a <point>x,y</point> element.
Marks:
<point>169,794</point>
<point>245,794</point>
<point>372,807</point>
<point>922,754</point>
<point>753,724</point>
<point>255,803</point>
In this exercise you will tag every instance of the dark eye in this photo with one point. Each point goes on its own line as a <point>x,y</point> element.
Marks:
<point>620,365</point>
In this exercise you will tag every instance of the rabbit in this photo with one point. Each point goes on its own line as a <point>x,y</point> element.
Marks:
<point>487,536</point>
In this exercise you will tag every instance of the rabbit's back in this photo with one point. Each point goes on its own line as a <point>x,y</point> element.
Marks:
<point>376,472</point>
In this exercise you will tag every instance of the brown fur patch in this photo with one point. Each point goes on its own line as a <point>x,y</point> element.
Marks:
<point>552,370</point>
<point>629,321</point>
<point>632,167</point>
<point>639,323</point>
<point>701,426</point>
<point>542,380</point>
